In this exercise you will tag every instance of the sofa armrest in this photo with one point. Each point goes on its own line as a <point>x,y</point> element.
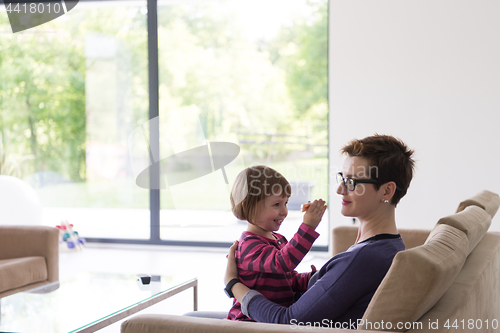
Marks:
<point>31,241</point>
<point>345,236</point>
<point>149,323</point>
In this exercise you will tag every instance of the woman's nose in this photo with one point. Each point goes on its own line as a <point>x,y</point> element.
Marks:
<point>341,189</point>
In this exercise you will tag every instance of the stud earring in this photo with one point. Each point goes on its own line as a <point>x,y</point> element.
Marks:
<point>386,201</point>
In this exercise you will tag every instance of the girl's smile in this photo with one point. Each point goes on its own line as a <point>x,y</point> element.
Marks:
<point>271,214</point>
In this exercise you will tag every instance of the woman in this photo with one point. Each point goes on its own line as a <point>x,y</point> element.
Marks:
<point>375,176</point>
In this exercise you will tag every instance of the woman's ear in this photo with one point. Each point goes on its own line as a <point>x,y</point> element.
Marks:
<point>389,190</point>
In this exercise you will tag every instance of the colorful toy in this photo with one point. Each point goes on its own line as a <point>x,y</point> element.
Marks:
<point>69,236</point>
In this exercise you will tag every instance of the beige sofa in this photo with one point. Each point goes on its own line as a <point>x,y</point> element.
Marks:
<point>447,280</point>
<point>29,258</point>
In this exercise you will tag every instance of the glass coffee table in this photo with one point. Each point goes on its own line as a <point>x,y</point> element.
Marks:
<point>87,302</point>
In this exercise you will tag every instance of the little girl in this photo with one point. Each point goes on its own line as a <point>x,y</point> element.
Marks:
<point>266,261</point>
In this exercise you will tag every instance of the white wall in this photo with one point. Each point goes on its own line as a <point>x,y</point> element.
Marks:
<point>428,72</point>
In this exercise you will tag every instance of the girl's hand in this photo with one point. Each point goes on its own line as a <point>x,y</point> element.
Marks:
<point>314,214</point>
<point>232,268</point>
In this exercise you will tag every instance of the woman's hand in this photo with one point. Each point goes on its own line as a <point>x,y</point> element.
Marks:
<point>231,269</point>
<point>313,270</point>
<point>314,213</point>
<point>239,289</point>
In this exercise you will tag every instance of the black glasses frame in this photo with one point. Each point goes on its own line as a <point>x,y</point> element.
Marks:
<point>353,182</point>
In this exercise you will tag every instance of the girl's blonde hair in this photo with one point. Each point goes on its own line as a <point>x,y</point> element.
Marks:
<point>253,185</point>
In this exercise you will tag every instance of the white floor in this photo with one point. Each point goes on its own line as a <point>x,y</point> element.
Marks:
<point>207,264</point>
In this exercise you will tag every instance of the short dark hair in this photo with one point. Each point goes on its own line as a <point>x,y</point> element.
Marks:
<point>253,185</point>
<point>392,158</point>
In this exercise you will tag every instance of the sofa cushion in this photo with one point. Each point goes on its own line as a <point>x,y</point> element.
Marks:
<point>417,279</point>
<point>487,200</point>
<point>474,293</point>
<point>473,220</point>
<point>19,272</point>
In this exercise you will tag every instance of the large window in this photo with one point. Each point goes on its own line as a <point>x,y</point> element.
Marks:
<point>71,91</point>
<point>74,107</point>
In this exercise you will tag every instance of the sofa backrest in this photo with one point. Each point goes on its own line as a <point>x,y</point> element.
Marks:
<point>417,279</point>
<point>473,296</point>
<point>473,221</point>
<point>487,200</point>
<point>344,237</point>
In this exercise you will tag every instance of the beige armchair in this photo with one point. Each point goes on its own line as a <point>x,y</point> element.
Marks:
<point>29,258</point>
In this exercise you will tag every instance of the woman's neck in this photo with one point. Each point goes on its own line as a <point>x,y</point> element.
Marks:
<point>382,224</point>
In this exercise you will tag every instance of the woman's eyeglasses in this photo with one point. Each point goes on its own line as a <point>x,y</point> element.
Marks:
<point>350,183</point>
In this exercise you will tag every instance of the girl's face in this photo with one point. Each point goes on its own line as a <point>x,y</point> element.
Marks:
<point>364,201</point>
<point>271,214</point>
